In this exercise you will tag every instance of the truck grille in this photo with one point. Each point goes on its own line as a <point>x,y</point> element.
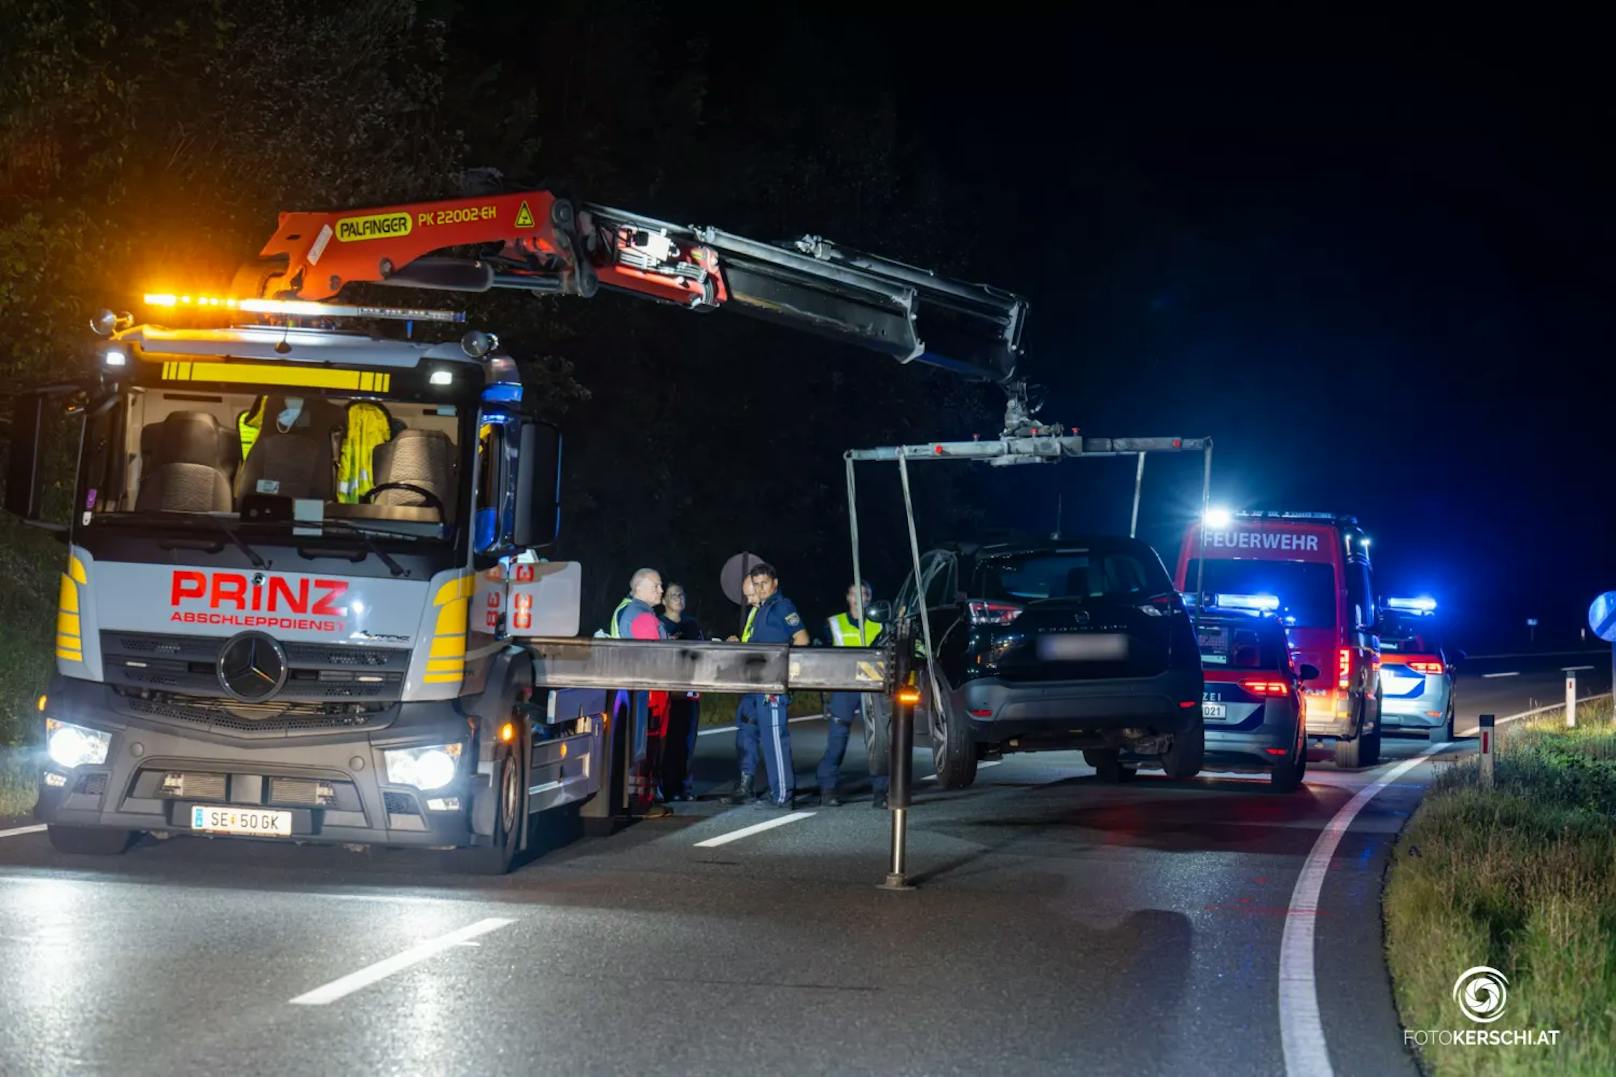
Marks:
<point>275,719</point>
<point>316,672</point>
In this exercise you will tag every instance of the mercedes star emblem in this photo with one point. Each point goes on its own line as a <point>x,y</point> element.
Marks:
<point>252,666</point>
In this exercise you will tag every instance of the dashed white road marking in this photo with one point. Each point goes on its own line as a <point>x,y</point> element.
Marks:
<point>1494,676</point>
<point>730,729</point>
<point>416,954</point>
<point>755,828</point>
<point>18,831</point>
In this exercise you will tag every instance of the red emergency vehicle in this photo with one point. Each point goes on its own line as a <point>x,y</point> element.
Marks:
<point>1312,569</point>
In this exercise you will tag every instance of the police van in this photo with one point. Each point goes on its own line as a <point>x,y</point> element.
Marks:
<point>1315,569</point>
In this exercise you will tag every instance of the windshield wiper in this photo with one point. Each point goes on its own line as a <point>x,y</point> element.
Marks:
<point>166,519</point>
<point>369,543</point>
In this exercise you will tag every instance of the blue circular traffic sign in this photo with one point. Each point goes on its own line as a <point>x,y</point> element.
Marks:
<point>1602,616</point>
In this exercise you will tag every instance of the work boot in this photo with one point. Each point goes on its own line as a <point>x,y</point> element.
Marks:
<point>657,811</point>
<point>768,803</point>
<point>880,801</point>
<point>830,799</point>
<point>743,791</point>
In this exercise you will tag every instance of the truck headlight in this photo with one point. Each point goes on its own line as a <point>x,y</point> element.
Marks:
<point>432,767</point>
<point>72,746</point>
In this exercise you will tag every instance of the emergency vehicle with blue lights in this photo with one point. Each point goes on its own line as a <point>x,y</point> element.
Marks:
<point>306,595</point>
<point>1312,570</point>
<point>1416,670</point>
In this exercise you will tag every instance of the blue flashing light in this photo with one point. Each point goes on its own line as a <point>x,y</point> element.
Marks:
<point>1264,603</point>
<point>1415,605</point>
<point>503,393</point>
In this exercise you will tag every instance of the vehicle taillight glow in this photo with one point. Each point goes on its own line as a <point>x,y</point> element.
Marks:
<point>983,612</point>
<point>1427,667</point>
<point>1343,668</point>
<point>1266,688</point>
<point>1163,605</point>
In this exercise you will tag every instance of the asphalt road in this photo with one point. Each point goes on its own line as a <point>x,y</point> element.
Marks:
<point>1058,924</point>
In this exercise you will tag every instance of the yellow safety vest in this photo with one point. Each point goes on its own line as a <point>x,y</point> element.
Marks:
<point>746,633</point>
<point>613,630</point>
<point>367,428</point>
<point>248,424</point>
<point>844,633</point>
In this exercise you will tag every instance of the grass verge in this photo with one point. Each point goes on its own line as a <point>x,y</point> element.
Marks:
<point>1521,877</point>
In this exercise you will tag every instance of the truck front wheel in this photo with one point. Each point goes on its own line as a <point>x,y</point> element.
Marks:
<point>88,841</point>
<point>510,802</point>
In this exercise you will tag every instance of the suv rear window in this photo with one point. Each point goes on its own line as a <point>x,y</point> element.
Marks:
<point>1305,589</point>
<point>1070,574</point>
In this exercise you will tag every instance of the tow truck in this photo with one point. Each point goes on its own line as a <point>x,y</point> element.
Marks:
<point>306,595</point>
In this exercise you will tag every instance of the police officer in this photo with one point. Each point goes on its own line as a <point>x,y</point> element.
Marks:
<point>761,720</point>
<point>635,618</point>
<point>848,629</point>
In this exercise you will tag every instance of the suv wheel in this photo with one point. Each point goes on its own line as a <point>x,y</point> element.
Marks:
<point>1183,757</point>
<point>953,749</point>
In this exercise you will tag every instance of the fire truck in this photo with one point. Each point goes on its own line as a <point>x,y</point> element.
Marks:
<point>306,594</point>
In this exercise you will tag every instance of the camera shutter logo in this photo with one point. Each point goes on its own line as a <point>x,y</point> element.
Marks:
<point>1481,993</point>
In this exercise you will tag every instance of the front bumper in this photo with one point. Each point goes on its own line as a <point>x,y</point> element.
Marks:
<point>1001,710</point>
<point>333,784</point>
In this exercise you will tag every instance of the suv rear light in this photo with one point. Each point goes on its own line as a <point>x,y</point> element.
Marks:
<point>1266,688</point>
<point>983,612</point>
<point>1343,668</point>
<point>1427,667</point>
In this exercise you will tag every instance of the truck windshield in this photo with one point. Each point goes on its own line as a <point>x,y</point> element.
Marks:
<point>158,455</point>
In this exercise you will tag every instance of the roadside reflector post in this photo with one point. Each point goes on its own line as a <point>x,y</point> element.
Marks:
<point>1571,699</point>
<point>1487,751</point>
<point>901,745</point>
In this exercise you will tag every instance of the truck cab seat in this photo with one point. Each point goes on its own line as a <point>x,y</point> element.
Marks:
<point>185,474</point>
<point>424,458</point>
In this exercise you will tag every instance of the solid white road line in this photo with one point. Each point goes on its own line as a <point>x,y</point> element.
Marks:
<point>755,828</point>
<point>1301,1032</point>
<point>731,729</point>
<point>416,954</point>
<point>17,831</point>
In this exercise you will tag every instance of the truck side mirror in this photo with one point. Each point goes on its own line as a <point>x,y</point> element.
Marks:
<point>1308,672</point>
<point>879,611</point>
<point>22,462</point>
<point>538,487</point>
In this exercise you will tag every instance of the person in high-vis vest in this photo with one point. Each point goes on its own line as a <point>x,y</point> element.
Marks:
<point>762,729</point>
<point>745,739</point>
<point>635,618</point>
<point>850,629</point>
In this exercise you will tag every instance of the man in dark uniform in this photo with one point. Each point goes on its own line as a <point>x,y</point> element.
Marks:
<point>762,716</point>
<point>684,708</point>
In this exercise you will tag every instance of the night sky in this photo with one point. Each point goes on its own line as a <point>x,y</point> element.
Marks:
<point>1372,260</point>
